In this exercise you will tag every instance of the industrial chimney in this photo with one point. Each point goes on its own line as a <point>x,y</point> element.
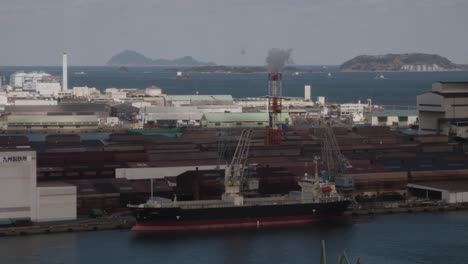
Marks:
<point>273,133</point>
<point>64,72</point>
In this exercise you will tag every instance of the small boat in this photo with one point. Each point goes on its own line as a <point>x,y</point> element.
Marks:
<point>181,75</point>
<point>329,75</point>
<point>380,76</point>
<point>80,73</point>
<point>123,69</point>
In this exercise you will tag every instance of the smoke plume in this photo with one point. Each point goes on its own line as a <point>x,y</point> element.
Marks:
<point>278,58</point>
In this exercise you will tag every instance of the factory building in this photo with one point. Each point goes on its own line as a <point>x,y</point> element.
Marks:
<point>21,199</point>
<point>18,79</point>
<point>180,100</point>
<point>171,116</point>
<point>444,110</point>
<point>231,120</point>
<point>396,118</point>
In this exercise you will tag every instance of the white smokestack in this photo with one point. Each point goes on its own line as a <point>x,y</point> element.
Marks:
<point>64,72</point>
<point>307,92</point>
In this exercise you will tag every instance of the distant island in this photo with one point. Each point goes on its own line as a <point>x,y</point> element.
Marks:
<point>133,58</point>
<point>400,62</point>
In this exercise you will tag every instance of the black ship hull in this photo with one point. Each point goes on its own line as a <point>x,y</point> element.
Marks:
<point>176,218</point>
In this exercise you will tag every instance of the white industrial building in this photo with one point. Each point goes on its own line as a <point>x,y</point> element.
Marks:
<point>350,109</point>
<point>444,110</point>
<point>396,118</point>
<point>85,92</point>
<point>18,79</point>
<point>115,94</point>
<point>21,197</point>
<point>43,88</point>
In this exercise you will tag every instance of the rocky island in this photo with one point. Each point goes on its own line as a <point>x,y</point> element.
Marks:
<point>133,58</point>
<point>399,62</point>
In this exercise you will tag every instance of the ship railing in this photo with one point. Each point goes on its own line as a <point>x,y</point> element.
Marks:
<point>247,202</point>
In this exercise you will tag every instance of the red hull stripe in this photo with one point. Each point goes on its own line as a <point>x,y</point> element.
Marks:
<point>143,226</point>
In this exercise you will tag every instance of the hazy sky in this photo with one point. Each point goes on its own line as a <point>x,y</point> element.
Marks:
<point>35,32</point>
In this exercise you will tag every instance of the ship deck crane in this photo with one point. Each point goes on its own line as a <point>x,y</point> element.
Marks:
<point>236,169</point>
<point>336,163</point>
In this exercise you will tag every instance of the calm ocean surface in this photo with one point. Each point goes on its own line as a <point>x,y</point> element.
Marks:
<point>432,238</point>
<point>398,88</point>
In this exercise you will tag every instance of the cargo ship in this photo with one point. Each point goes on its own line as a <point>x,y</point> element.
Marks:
<point>317,200</point>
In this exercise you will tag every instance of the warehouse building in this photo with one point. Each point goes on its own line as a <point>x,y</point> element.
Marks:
<point>101,111</point>
<point>444,110</point>
<point>231,120</point>
<point>395,118</point>
<point>451,192</point>
<point>49,122</point>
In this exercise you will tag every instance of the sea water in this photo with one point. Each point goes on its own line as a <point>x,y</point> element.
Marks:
<point>408,238</point>
<point>397,88</point>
